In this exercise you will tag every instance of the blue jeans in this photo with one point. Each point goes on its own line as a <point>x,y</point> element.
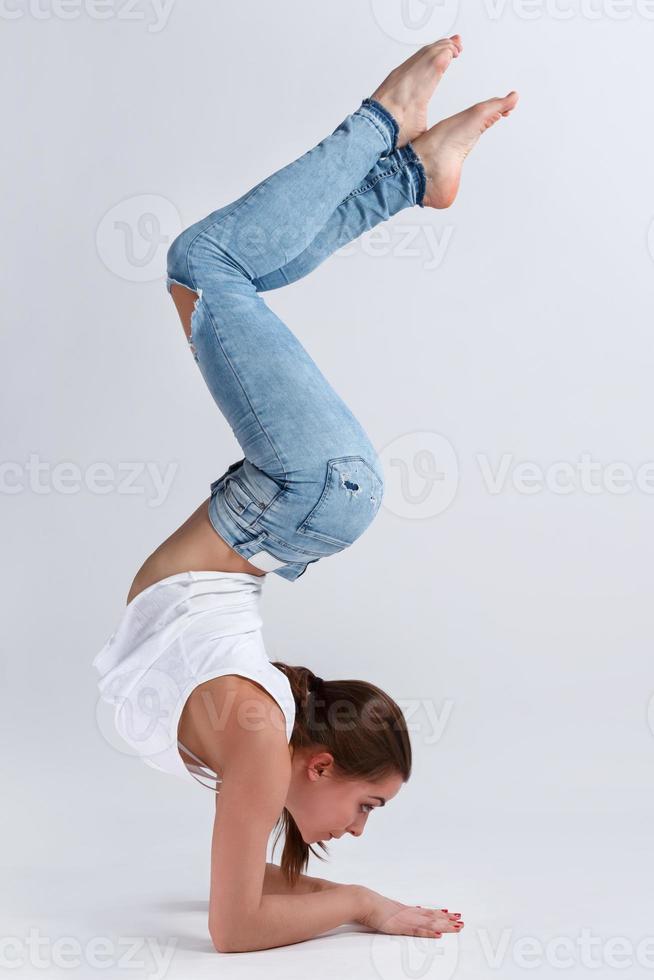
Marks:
<point>309,482</point>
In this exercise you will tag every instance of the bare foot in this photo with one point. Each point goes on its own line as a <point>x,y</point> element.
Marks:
<point>444,147</point>
<point>445,921</point>
<point>409,87</point>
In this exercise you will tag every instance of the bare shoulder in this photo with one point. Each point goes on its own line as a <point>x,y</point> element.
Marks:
<point>231,718</point>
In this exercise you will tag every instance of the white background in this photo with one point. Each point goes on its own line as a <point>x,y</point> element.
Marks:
<point>522,620</point>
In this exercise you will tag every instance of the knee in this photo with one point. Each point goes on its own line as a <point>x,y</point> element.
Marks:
<point>177,259</point>
<point>198,260</point>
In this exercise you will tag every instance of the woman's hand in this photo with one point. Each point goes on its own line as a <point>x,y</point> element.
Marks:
<point>396,919</point>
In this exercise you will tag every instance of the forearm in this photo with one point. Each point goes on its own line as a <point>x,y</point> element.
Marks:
<point>275,883</point>
<point>285,919</point>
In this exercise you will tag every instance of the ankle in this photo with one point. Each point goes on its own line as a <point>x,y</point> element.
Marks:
<point>383,118</point>
<point>415,167</point>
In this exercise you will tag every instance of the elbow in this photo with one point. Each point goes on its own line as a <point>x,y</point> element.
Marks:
<point>235,932</point>
<point>224,942</point>
<point>221,943</point>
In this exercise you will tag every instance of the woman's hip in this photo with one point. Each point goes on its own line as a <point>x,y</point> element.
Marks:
<point>282,526</point>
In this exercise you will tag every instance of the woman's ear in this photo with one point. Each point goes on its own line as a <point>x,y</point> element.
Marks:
<point>320,763</point>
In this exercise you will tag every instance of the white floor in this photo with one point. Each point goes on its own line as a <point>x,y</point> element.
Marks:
<point>556,895</point>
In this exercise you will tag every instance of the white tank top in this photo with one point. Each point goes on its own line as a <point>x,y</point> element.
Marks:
<point>174,635</point>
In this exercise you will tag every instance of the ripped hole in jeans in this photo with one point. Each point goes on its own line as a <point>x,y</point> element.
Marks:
<point>186,302</point>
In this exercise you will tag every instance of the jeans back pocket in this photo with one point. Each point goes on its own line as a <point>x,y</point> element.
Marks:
<point>349,501</point>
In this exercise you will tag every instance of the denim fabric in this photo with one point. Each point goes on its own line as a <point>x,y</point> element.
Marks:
<point>310,481</point>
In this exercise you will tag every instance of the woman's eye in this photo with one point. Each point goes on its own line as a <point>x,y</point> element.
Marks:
<point>369,805</point>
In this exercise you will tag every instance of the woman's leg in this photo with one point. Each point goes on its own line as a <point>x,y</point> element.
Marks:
<point>310,482</point>
<point>426,172</point>
<point>396,181</point>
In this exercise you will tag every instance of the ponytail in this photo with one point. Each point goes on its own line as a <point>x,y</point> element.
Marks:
<point>372,743</point>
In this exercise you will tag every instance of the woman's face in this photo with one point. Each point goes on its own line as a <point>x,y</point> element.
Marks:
<point>325,806</point>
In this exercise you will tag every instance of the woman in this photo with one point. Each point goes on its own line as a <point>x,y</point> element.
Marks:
<point>187,667</point>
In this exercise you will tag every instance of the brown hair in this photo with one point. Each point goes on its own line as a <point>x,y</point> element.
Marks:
<point>359,724</point>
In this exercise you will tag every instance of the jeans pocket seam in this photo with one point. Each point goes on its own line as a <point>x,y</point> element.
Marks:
<point>315,512</point>
<point>268,535</point>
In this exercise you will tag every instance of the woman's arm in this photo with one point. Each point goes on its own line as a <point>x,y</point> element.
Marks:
<point>275,883</point>
<point>256,773</point>
<point>242,918</point>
